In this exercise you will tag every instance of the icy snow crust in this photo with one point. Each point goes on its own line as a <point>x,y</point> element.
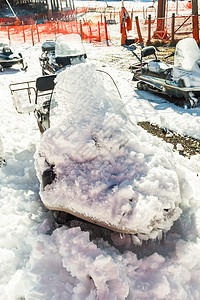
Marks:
<point>107,168</point>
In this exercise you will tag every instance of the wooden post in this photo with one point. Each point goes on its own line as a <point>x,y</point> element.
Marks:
<point>81,29</point>
<point>195,7</point>
<point>8,33</point>
<point>149,29</point>
<point>195,21</point>
<point>106,31</point>
<point>176,7</point>
<point>138,30</point>
<point>161,15</point>
<point>23,32</point>
<point>132,15</point>
<point>54,28</point>
<point>173,26</point>
<point>143,13</point>
<point>195,30</point>
<point>99,32</point>
<point>32,35</point>
<point>58,22</point>
<point>90,30</point>
<point>71,27</point>
<point>37,33</point>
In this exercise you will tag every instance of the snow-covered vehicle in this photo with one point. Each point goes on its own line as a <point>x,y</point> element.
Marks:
<point>8,58</point>
<point>66,50</point>
<point>180,81</point>
<point>95,164</point>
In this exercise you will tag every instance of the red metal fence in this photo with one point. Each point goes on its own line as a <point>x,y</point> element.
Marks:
<point>175,28</point>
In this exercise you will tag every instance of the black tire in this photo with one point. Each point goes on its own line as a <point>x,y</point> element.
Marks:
<point>188,103</point>
<point>139,85</point>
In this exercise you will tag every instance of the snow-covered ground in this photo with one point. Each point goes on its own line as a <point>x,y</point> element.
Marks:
<point>40,260</point>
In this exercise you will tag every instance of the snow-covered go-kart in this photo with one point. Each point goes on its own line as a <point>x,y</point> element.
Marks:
<point>65,51</point>
<point>8,58</point>
<point>95,164</point>
<point>180,81</point>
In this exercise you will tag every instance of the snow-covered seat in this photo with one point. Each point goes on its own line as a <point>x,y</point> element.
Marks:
<point>48,46</point>
<point>157,67</point>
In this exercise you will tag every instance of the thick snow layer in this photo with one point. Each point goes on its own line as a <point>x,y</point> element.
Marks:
<point>40,261</point>
<point>106,167</point>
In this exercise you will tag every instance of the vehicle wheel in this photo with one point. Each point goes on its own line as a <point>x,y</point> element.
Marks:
<point>139,85</point>
<point>189,103</point>
<point>181,83</point>
<point>144,86</point>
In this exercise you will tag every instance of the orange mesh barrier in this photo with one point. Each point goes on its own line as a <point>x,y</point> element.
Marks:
<point>40,32</point>
<point>93,32</point>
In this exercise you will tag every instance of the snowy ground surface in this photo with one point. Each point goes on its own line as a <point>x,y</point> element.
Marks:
<point>40,260</point>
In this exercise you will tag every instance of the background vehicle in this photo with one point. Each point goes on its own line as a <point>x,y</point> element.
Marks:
<point>181,81</point>
<point>8,58</point>
<point>66,50</point>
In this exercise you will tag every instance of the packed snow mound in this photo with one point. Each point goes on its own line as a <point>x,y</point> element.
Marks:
<point>107,168</point>
<point>79,269</point>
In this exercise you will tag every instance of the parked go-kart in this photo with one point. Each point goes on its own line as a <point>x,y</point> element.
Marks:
<point>8,58</point>
<point>181,81</point>
<point>66,50</point>
<point>91,162</point>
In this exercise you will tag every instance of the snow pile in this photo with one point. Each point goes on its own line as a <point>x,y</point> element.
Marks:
<point>106,167</point>
<point>67,265</point>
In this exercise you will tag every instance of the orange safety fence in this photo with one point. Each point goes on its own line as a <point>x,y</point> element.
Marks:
<point>40,32</point>
<point>94,32</point>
